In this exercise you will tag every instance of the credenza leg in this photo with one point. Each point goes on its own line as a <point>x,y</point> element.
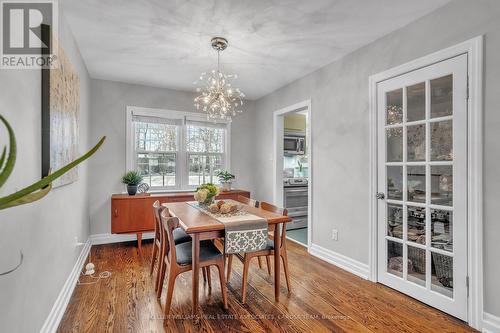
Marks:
<point>139,242</point>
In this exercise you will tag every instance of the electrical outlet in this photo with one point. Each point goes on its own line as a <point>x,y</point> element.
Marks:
<point>335,234</point>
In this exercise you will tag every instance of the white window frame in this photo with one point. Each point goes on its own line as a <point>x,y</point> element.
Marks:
<point>181,168</point>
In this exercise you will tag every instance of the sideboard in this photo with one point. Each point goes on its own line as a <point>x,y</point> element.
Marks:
<point>133,214</point>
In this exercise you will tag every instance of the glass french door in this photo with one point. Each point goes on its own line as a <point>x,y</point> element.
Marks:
<point>422,184</point>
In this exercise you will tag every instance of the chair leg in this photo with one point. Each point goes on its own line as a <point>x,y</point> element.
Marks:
<point>220,268</point>
<point>260,261</point>
<point>161,263</point>
<point>209,277</point>
<point>161,278</point>
<point>268,263</point>
<point>285,268</point>
<point>170,291</point>
<point>153,258</point>
<point>246,264</point>
<point>204,272</point>
<point>229,266</point>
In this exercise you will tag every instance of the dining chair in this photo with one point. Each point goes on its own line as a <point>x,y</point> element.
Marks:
<point>178,258</point>
<point>180,236</point>
<point>252,203</point>
<point>269,251</point>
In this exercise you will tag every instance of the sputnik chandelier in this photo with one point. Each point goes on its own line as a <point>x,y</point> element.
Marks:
<point>217,97</point>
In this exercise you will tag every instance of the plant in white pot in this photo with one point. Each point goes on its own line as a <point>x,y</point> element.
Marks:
<point>132,179</point>
<point>225,179</point>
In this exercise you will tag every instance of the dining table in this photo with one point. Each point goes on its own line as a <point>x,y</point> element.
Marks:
<point>201,226</point>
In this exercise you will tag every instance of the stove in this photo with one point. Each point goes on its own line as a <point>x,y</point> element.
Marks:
<point>295,195</point>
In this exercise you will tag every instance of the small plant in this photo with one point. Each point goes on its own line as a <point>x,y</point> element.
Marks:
<point>225,176</point>
<point>132,178</point>
<point>205,193</point>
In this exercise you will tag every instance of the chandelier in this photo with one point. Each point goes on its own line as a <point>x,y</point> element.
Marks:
<point>217,97</point>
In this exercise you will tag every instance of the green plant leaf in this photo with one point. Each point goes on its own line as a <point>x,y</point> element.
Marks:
<point>11,160</point>
<point>44,182</point>
<point>28,198</point>
<point>2,158</point>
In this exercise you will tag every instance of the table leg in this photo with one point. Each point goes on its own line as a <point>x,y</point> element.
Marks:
<point>196,269</point>
<point>277,239</point>
<point>139,242</point>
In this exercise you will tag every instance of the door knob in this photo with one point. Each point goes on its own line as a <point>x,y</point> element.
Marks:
<point>380,195</point>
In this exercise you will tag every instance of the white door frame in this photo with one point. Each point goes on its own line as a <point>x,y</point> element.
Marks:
<point>474,50</point>
<point>278,161</point>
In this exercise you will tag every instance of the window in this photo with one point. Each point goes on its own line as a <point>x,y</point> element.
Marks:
<point>175,150</point>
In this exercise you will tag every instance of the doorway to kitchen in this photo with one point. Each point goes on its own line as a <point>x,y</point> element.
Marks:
<point>293,169</point>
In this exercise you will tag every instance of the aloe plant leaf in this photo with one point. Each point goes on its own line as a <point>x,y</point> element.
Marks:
<point>42,183</point>
<point>11,160</point>
<point>28,198</point>
<point>2,158</point>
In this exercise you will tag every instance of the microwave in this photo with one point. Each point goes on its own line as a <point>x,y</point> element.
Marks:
<point>294,145</point>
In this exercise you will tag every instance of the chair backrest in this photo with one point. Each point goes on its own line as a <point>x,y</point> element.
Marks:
<point>157,208</point>
<point>169,223</point>
<point>247,201</point>
<point>282,211</point>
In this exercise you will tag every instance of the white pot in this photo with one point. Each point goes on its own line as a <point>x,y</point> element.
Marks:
<point>226,187</point>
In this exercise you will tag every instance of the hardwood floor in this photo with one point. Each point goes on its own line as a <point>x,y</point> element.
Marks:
<point>324,298</point>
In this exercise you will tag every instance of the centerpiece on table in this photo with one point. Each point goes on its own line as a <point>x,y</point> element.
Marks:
<point>206,193</point>
<point>225,178</point>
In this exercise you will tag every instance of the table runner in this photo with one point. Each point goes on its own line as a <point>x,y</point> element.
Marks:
<point>244,232</point>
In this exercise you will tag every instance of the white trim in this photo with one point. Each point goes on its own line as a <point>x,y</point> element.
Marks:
<point>98,239</point>
<point>278,168</point>
<point>348,264</point>
<point>474,49</point>
<point>182,155</point>
<point>491,323</point>
<point>54,318</point>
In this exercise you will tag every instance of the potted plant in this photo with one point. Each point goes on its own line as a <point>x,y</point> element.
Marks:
<point>206,193</point>
<point>132,179</point>
<point>225,179</point>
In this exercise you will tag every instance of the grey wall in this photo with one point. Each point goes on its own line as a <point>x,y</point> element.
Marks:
<point>340,129</point>
<point>108,117</point>
<point>45,230</point>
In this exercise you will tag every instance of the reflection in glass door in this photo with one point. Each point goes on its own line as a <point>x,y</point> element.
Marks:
<point>422,229</point>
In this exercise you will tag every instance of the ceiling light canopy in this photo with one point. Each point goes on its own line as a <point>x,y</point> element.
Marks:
<point>218,98</point>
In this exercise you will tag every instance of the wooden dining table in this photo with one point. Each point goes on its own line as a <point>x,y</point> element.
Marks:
<point>201,226</point>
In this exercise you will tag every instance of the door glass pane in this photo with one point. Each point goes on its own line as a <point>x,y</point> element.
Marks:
<point>442,229</point>
<point>394,107</point>
<point>395,258</point>
<point>415,106</point>
<point>416,224</point>
<point>157,169</point>
<point>442,96</point>
<point>442,185</point>
<point>416,183</point>
<point>442,274</point>
<point>442,141</point>
<point>394,144</point>
<point>395,182</point>
<point>416,265</point>
<point>395,221</point>
<point>416,143</point>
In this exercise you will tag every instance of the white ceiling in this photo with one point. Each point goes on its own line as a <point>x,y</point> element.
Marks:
<point>166,43</point>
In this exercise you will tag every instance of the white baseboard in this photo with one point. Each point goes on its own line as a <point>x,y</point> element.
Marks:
<point>98,239</point>
<point>337,259</point>
<point>59,307</point>
<point>491,323</point>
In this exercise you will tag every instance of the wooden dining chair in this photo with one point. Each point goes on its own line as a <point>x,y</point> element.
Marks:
<point>180,236</point>
<point>269,251</point>
<point>179,257</point>
<point>252,203</point>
